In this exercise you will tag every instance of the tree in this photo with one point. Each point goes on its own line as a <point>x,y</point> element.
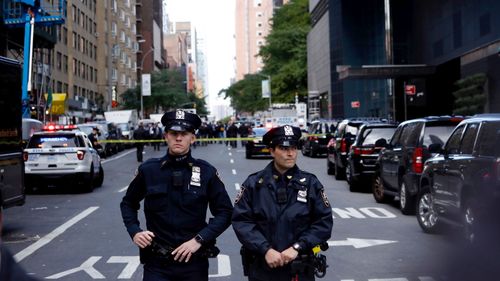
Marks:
<point>168,91</point>
<point>246,94</point>
<point>470,97</point>
<point>285,52</point>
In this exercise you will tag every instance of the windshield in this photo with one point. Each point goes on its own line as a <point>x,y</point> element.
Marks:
<point>259,132</point>
<point>370,136</point>
<point>55,141</point>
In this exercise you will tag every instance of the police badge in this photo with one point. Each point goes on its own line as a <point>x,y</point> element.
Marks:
<point>195,176</point>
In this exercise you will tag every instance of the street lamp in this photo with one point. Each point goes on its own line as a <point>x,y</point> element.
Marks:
<point>142,65</point>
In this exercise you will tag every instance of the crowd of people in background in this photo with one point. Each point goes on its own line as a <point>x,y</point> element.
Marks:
<point>217,131</point>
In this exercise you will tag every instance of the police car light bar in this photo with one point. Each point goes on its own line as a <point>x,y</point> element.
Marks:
<point>58,127</point>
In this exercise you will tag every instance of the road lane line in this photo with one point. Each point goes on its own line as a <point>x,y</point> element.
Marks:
<point>234,172</point>
<point>51,236</point>
<point>230,154</point>
<point>123,189</point>
<point>237,186</point>
<point>231,161</point>
<point>223,266</point>
<point>117,157</point>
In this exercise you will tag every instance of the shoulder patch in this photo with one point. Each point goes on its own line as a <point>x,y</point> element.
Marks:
<point>325,199</point>
<point>239,195</point>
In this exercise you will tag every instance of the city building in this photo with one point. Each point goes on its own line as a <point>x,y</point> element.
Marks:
<point>399,59</point>
<point>252,26</point>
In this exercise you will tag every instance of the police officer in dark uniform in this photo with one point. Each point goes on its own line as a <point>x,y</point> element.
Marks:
<point>280,213</point>
<point>177,189</point>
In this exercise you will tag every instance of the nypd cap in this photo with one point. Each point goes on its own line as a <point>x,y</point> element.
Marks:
<point>285,136</point>
<point>180,121</point>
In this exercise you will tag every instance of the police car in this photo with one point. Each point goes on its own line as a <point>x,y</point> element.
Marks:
<point>62,153</point>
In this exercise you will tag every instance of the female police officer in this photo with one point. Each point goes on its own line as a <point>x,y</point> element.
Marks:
<point>176,190</point>
<point>280,212</point>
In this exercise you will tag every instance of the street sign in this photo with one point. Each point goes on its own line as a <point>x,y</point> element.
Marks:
<point>355,104</point>
<point>410,90</point>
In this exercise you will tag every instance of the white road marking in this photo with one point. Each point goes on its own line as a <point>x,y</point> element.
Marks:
<point>87,266</point>
<point>223,267</point>
<point>49,237</point>
<point>117,157</point>
<point>231,161</point>
<point>230,154</point>
<point>234,172</point>
<point>389,279</point>
<point>123,189</point>
<point>363,213</point>
<point>359,243</point>
<point>132,262</point>
<point>237,186</point>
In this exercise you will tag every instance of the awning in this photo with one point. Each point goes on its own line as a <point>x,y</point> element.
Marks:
<point>384,71</point>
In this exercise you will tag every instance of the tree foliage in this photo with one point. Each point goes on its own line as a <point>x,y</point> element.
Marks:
<point>285,52</point>
<point>168,91</point>
<point>470,98</point>
<point>246,94</point>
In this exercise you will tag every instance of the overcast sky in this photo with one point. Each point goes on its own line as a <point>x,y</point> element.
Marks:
<point>214,21</point>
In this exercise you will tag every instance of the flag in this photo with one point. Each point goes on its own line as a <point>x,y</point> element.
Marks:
<point>49,98</point>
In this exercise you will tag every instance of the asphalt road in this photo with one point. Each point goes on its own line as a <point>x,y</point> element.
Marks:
<point>65,235</point>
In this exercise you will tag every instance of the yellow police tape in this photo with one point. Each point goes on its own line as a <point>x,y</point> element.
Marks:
<point>197,139</point>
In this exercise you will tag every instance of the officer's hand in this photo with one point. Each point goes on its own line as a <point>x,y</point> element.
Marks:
<point>186,250</point>
<point>289,255</point>
<point>273,258</point>
<point>143,238</point>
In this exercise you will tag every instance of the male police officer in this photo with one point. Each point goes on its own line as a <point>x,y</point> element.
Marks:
<point>281,212</point>
<point>176,190</point>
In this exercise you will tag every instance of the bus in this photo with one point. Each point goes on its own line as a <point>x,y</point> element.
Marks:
<point>11,154</point>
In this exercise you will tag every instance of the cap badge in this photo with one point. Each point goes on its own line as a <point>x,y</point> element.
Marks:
<point>288,131</point>
<point>179,114</point>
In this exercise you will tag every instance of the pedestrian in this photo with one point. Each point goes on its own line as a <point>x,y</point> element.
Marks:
<point>156,135</point>
<point>281,212</point>
<point>232,133</point>
<point>9,269</point>
<point>176,190</point>
<point>243,131</point>
<point>140,134</point>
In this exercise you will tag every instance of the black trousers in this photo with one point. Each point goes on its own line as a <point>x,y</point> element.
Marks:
<point>176,271</point>
<point>140,148</point>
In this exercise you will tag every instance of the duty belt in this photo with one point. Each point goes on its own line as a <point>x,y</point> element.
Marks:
<point>165,251</point>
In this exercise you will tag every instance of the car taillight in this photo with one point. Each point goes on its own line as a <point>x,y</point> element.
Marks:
<point>418,164</point>
<point>25,156</point>
<point>313,138</point>
<point>362,151</point>
<point>80,154</point>
<point>343,146</point>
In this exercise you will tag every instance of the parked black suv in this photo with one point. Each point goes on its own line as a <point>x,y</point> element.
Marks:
<point>462,183</point>
<point>318,134</point>
<point>362,158</point>
<point>400,164</point>
<point>338,147</point>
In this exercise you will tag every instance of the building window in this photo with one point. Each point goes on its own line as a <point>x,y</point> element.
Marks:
<point>259,24</point>
<point>59,61</point>
<point>65,36</point>
<point>75,40</point>
<point>484,24</point>
<point>259,14</point>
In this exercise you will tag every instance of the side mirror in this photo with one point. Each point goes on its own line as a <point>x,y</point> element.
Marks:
<point>381,143</point>
<point>435,148</point>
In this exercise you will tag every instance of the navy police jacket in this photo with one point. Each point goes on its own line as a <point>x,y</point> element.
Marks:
<point>261,223</point>
<point>176,193</point>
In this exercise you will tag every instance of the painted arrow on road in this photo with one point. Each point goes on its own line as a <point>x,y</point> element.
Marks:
<point>359,243</point>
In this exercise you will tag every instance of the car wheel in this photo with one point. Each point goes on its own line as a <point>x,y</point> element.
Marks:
<point>353,184</point>
<point>406,201</point>
<point>339,173</point>
<point>100,178</point>
<point>312,153</point>
<point>88,181</point>
<point>303,150</point>
<point>329,167</point>
<point>469,216</point>
<point>427,216</point>
<point>378,191</point>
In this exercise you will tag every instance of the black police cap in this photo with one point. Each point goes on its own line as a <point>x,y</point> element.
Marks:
<point>180,121</point>
<point>285,136</point>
